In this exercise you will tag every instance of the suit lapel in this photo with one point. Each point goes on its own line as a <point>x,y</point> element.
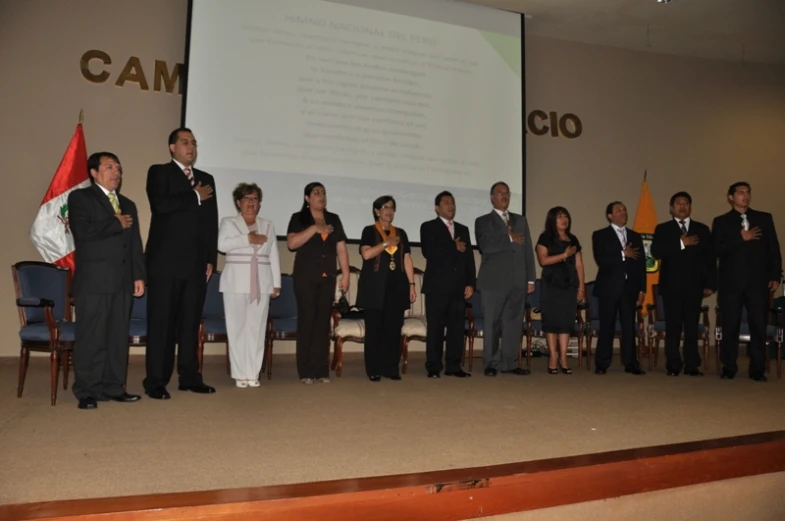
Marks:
<point>240,223</point>
<point>180,176</point>
<point>103,199</point>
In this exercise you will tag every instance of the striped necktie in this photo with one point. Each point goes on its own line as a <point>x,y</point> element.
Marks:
<point>189,175</point>
<point>114,202</point>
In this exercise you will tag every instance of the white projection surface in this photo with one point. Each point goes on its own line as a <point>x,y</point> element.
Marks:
<point>366,101</point>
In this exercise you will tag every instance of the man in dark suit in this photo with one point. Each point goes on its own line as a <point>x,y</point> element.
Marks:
<point>750,269</point>
<point>688,273</point>
<point>507,275</point>
<point>620,287</point>
<point>449,281</point>
<point>182,249</point>
<point>109,270</point>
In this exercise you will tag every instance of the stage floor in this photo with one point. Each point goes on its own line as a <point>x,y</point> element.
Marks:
<point>287,432</point>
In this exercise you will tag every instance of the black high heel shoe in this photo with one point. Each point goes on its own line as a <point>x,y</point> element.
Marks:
<point>552,370</point>
<point>564,370</point>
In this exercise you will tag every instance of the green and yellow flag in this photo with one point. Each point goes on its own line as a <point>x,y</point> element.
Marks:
<point>645,223</point>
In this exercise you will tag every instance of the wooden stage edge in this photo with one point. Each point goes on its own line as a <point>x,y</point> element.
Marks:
<point>445,495</point>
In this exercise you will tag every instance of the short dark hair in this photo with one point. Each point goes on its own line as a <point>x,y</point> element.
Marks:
<point>680,194</point>
<point>497,183</point>
<point>244,189</point>
<point>381,201</point>
<point>94,161</point>
<point>174,134</point>
<point>438,200</point>
<point>550,221</point>
<point>609,208</point>
<point>732,188</point>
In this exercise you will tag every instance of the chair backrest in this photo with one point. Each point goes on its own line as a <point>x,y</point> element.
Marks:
<point>354,279</point>
<point>33,279</point>
<point>417,308</point>
<point>213,300</point>
<point>593,303</point>
<point>139,307</point>
<point>476,304</point>
<point>533,300</point>
<point>659,309</point>
<point>285,306</point>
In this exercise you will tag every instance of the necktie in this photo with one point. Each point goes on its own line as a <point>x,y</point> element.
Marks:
<point>622,236</point>
<point>452,230</point>
<point>506,218</point>
<point>744,222</point>
<point>683,227</point>
<point>189,175</point>
<point>113,200</point>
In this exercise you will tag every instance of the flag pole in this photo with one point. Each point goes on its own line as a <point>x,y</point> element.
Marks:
<point>81,116</point>
<point>645,173</point>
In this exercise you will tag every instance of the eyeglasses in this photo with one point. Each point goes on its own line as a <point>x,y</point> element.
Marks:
<point>250,199</point>
<point>388,207</point>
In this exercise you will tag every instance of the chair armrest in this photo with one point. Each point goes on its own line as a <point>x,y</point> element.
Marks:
<point>34,302</point>
<point>336,317</point>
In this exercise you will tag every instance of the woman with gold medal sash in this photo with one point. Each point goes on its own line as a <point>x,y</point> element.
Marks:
<point>386,289</point>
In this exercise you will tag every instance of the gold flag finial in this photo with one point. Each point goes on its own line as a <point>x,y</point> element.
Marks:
<point>645,173</point>
<point>81,116</point>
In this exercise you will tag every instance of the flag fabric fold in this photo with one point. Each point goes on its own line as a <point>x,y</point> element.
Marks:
<point>645,223</point>
<point>50,232</point>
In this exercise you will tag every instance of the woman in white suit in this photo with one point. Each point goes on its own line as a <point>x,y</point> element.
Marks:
<point>252,274</point>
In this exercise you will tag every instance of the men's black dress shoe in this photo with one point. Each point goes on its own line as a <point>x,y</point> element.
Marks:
<point>490,371</point>
<point>727,375</point>
<point>673,373</point>
<point>434,374</point>
<point>600,371</point>
<point>199,388</point>
<point>158,393</point>
<point>124,398</point>
<point>518,370</point>
<point>375,378</point>
<point>88,403</point>
<point>693,372</point>
<point>759,378</point>
<point>395,377</point>
<point>635,371</point>
<point>460,373</point>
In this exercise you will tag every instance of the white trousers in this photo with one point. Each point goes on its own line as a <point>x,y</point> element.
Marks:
<point>246,324</point>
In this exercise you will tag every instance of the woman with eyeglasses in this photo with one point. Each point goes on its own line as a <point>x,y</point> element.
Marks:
<point>386,289</point>
<point>318,240</point>
<point>251,276</point>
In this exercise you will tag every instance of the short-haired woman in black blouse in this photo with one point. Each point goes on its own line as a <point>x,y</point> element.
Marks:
<point>386,289</point>
<point>562,285</point>
<point>317,238</point>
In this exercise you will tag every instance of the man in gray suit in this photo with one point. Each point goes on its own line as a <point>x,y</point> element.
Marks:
<point>506,276</point>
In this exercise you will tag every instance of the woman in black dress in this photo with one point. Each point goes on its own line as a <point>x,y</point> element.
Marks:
<point>385,290</point>
<point>562,286</point>
<point>317,238</point>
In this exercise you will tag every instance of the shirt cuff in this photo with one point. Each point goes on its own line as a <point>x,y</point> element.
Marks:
<point>198,198</point>
<point>682,244</point>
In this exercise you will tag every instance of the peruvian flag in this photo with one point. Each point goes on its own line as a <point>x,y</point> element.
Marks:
<point>50,232</point>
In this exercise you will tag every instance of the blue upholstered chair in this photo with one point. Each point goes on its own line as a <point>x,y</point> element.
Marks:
<point>281,320</point>
<point>593,326</point>
<point>42,298</point>
<point>773,333</point>
<point>137,329</point>
<point>534,329</point>
<point>212,328</point>
<point>656,328</point>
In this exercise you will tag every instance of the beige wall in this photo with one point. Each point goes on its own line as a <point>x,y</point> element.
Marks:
<point>696,125</point>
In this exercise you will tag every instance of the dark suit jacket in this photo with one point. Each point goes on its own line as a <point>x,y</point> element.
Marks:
<point>746,263</point>
<point>615,274</point>
<point>504,263</point>
<point>688,270</point>
<point>447,270</point>
<point>183,236</point>
<point>108,258</point>
<point>379,286</point>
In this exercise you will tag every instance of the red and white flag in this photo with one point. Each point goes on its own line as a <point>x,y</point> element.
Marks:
<point>50,232</point>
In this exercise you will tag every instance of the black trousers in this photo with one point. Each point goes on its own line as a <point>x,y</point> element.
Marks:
<point>101,347</point>
<point>383,340</point>
<point>444,311</point>
<point>731,301</point>
<point>174,310</point>
<point>622,306</point>
<point>682,313</point>
<point>315,297</point>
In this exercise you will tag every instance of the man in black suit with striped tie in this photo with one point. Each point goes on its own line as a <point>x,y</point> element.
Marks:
<point>688,274</point>
<point>182,249</point>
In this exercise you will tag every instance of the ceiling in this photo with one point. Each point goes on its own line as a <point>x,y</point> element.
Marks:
<point>734,30</point>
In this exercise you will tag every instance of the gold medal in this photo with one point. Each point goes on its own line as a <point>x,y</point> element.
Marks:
<point>392,265</point>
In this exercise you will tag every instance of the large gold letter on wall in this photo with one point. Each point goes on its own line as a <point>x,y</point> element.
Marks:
<point>133,72</point>
<point>84,65</point>
<point>162,73</point>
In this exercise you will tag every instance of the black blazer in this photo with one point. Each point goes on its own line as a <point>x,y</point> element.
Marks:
<point>688,270</point>
<point>615,274</point>
<point>379,285</point>
<point>183,236</point>
<point>108,258</point>
<point>745,263</point>
<point>447,270</point>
